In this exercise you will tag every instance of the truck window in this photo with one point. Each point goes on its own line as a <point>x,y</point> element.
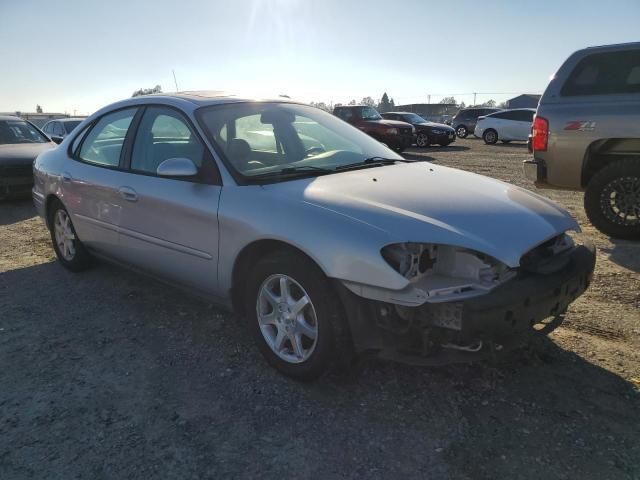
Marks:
<point>605,74</point>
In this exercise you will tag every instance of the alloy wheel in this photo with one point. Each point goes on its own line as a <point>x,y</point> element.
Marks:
<point>620,201</point>
<point>65,238</point>
<point>461,132</point>
<point>287,318</point>
<point>422,140</point>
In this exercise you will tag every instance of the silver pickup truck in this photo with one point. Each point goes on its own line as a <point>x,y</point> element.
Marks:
<point>586,135</point>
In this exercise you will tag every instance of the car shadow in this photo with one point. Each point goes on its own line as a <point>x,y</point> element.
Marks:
<point>510,145</point>
<point>625,253</point>
<point>448,148</point>
<point>14,211</point>
<point>110,352</point>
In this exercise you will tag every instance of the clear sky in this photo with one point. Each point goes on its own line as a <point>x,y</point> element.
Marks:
<point>82,54</point>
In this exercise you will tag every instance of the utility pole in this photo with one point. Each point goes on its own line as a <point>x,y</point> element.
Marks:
<point>474,99</point>
<point>429,98</point>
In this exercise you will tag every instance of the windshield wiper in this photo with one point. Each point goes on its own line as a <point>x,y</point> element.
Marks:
<point>293,171</point>
<point>368,162</point>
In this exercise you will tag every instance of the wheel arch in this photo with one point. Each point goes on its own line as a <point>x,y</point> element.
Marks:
<point>49,201</point>
<point>602,152</point>
<point>248,256</point>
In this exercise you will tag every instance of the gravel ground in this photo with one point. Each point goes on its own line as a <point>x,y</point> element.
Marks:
<point>108,374</point>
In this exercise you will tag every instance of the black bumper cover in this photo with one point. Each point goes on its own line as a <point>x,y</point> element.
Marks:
<point>504,318</point>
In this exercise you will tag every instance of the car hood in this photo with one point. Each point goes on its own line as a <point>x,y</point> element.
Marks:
<point>19,154</point>
<point>434,125</point>
<point>422,202</point>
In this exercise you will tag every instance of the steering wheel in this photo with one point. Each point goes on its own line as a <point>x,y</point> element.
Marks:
<point>312,150</point>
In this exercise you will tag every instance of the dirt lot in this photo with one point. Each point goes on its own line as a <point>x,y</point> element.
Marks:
<point>110,375</point>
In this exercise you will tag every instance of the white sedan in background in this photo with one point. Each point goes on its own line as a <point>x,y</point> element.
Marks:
<point>505,125</point>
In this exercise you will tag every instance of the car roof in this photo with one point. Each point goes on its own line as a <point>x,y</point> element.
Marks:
<point>11,117</point>
<point>187,101</point>
<point>613,46</point>
<point>399,113</point>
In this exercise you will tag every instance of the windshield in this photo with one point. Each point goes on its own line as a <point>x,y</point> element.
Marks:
<point>71,124</point>
<point>262,139</point>
<point>370,113</point>
<point>19,131</point>
<point>413,118</point>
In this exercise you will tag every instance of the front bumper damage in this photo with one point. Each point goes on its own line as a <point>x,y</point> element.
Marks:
<point>450,332</point>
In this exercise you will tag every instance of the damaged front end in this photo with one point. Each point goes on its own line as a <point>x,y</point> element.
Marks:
<point>460,304</point>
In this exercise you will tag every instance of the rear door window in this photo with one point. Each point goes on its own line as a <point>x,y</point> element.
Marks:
<point>605,74</point>
<point>104,142</point>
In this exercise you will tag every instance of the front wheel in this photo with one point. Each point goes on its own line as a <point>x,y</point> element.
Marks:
<point>461,131</point>
<point>612,199</point>
<point>490,136</point>
<point>295,317</point>
<point>69,249</point>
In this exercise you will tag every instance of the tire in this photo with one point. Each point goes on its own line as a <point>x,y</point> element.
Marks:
<point>612,192</point>
<point>70,251</point>
<point>422,140</point>
<point>461,131</point>
<point>323,314</point>
<point>490,136</point>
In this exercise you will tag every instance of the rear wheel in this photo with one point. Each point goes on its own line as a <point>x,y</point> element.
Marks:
<point>69,249</point>
<point>490,136</point>
<point>461,131</point>
<point>422,140</point>
<point>295,316</point>
<point>612,199</point>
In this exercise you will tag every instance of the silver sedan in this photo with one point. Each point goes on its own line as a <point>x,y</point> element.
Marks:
<point>327,242</point>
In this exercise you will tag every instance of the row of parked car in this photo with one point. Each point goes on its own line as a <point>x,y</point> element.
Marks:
<point>400,130</point>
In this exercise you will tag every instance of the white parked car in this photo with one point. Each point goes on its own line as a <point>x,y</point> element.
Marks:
<point>505,126</point>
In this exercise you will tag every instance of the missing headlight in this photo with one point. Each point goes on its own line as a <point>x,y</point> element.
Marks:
<point>444,272</point>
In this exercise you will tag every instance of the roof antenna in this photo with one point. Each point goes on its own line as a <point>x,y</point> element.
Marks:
<point>174,80</point>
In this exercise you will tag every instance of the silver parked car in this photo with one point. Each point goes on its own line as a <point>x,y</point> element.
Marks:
<point>325,240</point>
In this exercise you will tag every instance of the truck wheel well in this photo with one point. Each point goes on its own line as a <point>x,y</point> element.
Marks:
<point>247,257</point>
<point>603,152</point>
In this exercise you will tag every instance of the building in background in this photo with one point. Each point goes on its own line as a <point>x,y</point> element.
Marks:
<point>523,101</point>
<point>37,118</point>
<point>434,112</point>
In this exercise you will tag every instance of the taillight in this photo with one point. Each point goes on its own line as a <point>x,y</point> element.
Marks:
<point>540,134</point>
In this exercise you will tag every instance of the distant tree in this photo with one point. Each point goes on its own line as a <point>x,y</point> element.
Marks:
<point>462,105</point>
<point>147,91</point>
<point>352,102</point>
<point>385,104</point>
<point>491,103</point>
<point>322,106</point>
<point>449,100</point>
<point>38,109</point>
<point>370,102</point>
<point>392,104</point>
<point>503,105</point>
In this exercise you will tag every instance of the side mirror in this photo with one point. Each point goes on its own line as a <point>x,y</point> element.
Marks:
<point>177,167</point>
<point>57,139</point>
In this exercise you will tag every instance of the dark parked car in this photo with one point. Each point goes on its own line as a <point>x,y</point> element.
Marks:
<point>427,133</point>
<point>20,143</point>
<point>394,134</point>
<point>58,129</point>
<point>466,119</point>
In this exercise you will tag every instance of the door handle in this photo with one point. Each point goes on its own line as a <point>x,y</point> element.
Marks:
<point>66,177</point>
<point>128,194</point>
